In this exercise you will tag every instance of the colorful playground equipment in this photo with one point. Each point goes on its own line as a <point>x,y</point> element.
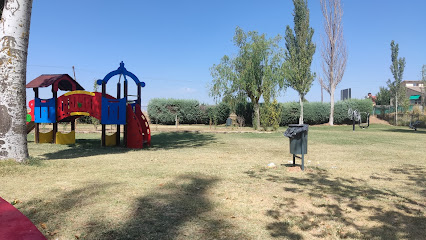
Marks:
<point>76,103</point>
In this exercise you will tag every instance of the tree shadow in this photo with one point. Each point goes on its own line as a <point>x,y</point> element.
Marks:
<point>48,215</point>
<point>177,210</point>
<point>330,207</point>
<point>166,141</point>
<point>408,130</point>
<point>176,140</point>
<point>416,176</point>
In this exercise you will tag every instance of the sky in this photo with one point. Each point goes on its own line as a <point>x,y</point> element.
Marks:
<point>171,45</point>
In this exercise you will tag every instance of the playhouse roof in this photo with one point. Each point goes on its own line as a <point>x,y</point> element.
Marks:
<point>62,81</point>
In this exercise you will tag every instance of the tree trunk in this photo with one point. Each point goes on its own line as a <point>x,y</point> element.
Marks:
<point>14,34</point>
<point>256,109</point>
<point>396,109</point>
<point>301,109</point>
<point>331,121</point>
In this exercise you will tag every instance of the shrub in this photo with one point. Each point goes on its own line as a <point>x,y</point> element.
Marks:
<point>270,115</point>
<point>164,111</point>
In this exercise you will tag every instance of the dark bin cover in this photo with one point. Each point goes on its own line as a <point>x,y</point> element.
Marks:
<point>294,129</point>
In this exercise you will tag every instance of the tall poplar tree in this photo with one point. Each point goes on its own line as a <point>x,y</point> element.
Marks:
<point>299,52</point>
<point>397,69</point>
<point>333,50</point>
<point>14,35</point>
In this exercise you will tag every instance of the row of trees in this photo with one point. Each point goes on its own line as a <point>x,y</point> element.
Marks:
<point>261,68</point>
<point>394,92</point>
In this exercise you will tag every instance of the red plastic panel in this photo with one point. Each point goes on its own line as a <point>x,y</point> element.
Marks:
<point>79,103</point>
<point>31,104</point>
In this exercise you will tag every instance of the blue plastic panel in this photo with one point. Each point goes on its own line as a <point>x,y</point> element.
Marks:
<point>44,110</point>
<point>113,111</point>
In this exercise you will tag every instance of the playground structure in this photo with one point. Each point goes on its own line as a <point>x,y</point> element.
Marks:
<point>355,116</point>
<point>77,102</point>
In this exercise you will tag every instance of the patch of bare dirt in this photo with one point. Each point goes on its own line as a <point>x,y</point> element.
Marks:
<point>375,120</point>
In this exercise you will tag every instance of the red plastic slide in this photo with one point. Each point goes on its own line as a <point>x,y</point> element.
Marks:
<point>16,226</point>
<point>137,127</point>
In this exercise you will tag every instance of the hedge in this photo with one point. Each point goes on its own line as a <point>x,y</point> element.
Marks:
<point>318,113</point>
<point>164,111</point>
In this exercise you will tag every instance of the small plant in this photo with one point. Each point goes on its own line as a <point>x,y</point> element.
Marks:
<point>270,115</point>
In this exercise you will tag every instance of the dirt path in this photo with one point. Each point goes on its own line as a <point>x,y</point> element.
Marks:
<point>374,119</point>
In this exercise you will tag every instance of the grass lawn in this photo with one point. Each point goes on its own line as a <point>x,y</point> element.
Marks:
<point>367,184</point>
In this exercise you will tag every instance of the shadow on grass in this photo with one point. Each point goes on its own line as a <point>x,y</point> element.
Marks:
<point>49,215</point>
<point>169,140</point>
<point>325,206</point>
<point>177,210</point>
<point>416,176</point>
<point>176,140</point>
<point>408,130</point>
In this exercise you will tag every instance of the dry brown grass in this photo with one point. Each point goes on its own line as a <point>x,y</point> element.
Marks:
<point>367,184</point>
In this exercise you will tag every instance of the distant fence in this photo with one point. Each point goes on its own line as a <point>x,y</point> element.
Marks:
<point>387,109</point>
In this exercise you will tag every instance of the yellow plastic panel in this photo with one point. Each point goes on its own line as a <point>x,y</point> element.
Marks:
<point>46,137</point>
<point>65,138</point>
<point>111,140</point>
<point>79,92</point>
<point>79,114</point>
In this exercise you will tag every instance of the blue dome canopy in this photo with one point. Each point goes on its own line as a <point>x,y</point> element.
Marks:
<point>121,70</point>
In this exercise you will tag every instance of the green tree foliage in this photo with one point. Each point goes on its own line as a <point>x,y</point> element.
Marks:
<point>299,52</point>
<point>383,96</point>
<point>397,69</point>
<point>245,111</point>
<point>253,73</point>
<point>270,115</point>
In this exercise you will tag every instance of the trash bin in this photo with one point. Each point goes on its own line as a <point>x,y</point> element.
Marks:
<point>228,122</point>
<point>298,135</point>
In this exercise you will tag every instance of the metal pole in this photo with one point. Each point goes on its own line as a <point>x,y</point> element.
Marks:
<point>103,138</point>
<point>117,140</point>
<point>125,126</point>
<point>303,155</point>
<point>55,124</point>
<point>37,125</point>
<point>353,122</point>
